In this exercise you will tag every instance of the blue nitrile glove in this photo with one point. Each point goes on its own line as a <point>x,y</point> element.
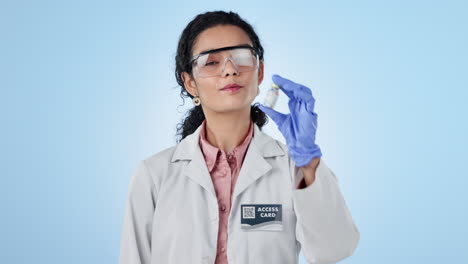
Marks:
<point>298,127</point>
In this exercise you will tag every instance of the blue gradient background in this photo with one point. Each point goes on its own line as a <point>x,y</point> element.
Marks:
<point>88,90</point>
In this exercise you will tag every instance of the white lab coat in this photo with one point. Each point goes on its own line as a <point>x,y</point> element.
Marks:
<point>171,214</point>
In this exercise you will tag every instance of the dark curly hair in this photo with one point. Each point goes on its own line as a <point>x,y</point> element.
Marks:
<point>201,22</point>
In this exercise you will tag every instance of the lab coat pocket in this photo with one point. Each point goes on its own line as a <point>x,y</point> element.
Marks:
<point>269,227</point>
<point>273,244</point>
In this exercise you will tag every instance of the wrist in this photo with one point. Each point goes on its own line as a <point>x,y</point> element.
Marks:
<point>309,172</point>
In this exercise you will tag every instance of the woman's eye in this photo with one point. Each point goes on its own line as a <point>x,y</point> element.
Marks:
<point>211,63</point>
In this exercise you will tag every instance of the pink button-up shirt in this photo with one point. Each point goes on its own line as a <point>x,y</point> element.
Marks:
<point>224,169</point>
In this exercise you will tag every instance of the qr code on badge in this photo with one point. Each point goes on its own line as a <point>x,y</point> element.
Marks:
<point>248,212</point>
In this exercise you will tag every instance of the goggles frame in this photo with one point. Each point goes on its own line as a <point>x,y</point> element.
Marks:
<point>195,58</point>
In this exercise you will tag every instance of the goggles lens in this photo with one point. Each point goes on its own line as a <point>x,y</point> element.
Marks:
<point>213,63</point>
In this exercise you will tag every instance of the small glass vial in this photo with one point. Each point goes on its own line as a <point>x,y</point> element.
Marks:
<point>271,96</point>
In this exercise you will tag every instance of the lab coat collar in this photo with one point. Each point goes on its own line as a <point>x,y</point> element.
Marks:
<point>262,146</point>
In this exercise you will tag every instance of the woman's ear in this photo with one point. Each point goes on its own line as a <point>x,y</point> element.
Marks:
<point>189,84</point>
<point>260,72</point>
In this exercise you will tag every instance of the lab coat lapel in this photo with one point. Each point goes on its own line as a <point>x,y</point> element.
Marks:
<point>197,170</point>
<point>255,166</point>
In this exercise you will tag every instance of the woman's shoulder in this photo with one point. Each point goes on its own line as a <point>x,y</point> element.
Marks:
<point>161,158</point>
<point>157,165</point>
<point>267,141</point>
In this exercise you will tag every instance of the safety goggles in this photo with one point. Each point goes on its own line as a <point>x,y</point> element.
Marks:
<point>213,62</point>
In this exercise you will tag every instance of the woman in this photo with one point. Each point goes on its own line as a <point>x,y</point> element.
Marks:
<point>227,192</point>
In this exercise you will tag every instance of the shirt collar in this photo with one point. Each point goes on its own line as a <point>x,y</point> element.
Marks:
<point>211,152</point>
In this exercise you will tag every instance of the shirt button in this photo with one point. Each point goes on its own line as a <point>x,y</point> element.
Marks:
<point>223,208</point>
<point>223,249</point>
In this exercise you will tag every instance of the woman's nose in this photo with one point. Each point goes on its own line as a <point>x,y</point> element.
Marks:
<point>229,68</point>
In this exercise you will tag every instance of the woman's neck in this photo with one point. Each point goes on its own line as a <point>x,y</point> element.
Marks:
<point>227,130</point>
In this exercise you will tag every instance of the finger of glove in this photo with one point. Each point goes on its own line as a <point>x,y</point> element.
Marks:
<point>295,90</point>
<point>277,117</point>
<point>285,85</point>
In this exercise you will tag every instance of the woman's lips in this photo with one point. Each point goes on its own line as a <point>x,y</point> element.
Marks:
<point>231,89</point>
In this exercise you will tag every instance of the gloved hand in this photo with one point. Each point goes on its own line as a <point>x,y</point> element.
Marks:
<point>298,127</point>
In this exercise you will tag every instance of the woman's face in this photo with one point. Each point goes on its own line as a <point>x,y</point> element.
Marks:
<point>209,89</point>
